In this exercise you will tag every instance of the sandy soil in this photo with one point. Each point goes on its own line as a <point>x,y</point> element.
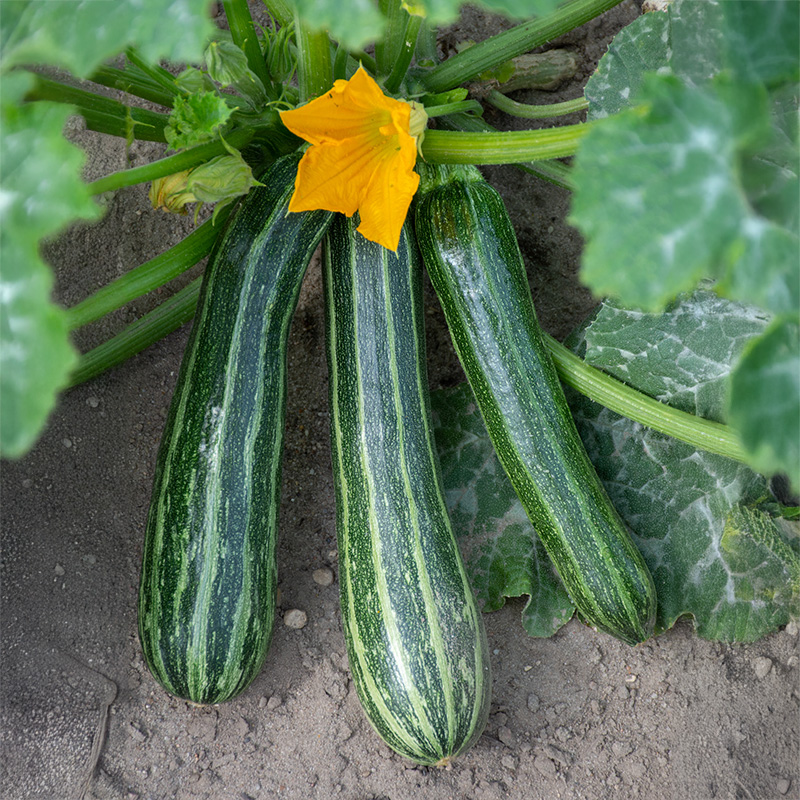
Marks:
<point>578,716</point>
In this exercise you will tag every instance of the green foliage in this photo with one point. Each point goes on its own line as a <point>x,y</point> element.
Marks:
<point>354,23</point>
<point>41,177</point>
<point>79,36</point>
<point>714,548</point>
<point>764,407</point>
<point>196,119</point>
<point>41,193</point>
<point>691,172</point>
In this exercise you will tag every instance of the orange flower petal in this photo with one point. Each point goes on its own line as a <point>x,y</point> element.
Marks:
<point>334,177</point>
<point>388,197</point>
<point>348,110</point>
<point>361,157</point>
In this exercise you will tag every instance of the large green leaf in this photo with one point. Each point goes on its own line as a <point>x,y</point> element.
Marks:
<point>80,34</point>
<point>712,551</point>
<point>683,356</point>
<point>355,23</point>
<point>764,399</point>
<point>660,199</point>
<point>701,521</point>
<point>503,555</point>
<point>40,171</point>
<point>41,193</point>
<point>692,169</point>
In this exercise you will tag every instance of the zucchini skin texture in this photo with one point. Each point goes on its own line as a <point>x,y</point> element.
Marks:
<point>471,253</point>
<point>415,638</point>
<point>207,591</point>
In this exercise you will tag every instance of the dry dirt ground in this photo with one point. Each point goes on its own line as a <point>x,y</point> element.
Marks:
<point>577,716</point>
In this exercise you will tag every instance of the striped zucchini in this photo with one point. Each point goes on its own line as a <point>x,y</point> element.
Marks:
<point>208,582</point>
<point>415,638</point>
<point>471,254</point>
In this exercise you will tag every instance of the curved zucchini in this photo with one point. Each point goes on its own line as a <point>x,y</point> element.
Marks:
<point>415,638</point>
<point>471,254</point>
<point>207,591</point>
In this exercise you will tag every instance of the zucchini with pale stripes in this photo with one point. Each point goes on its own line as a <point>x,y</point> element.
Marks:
<point>473,259</point>
<point>415,638</point>
<point>208,583</point>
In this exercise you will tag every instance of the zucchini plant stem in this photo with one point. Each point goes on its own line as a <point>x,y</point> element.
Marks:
<point>101,113</point>
<point>406,53</point>
<point>314,63</point>
<point>155,325</point>
<point>150,275</point>
<point>555,172</point>
<point>244,36</point>
<point>127,80</point>
<point>703,434</point>
<point>511,43</point>
<point>388,47</point>
<point>159,76</point>
<point>171,164</point>
<point>501,147</point>
<point>528,111</point>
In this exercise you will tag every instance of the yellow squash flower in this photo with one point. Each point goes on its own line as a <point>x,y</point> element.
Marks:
<point>362,156</point>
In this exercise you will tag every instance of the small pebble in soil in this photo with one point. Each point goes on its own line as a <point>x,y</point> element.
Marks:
<point>505,735</point>
<point>533,702</point>
<point>545,766</point>
<point>66,442</point>
<point>783,785</point>
<point>92,402</point>
<point>274,702</point>
<point>262,702</point>
<point>323,576</point>
<point>295,618</point>
<point>791,628</point>
<point>59,570</point>
<point>762,665</point>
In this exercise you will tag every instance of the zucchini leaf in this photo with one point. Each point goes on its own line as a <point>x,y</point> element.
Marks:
<point>691,172</point>
<point>702,521</point>
<point>42,191</point>
<point>354,23</point>
<point>705,524</point>
<point>502,553</point>
<point>79,36</point>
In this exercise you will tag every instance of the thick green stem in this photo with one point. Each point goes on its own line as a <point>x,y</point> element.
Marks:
<point>244,36</point>
<point>132,82</point>
<point>280,11</point>
<point>388,48</point>
<point>150,275</point>
<point>527,111</point>
<point>511,43</point>
<point>460,107</point>
<point>405,55</point>
<point>501,147</point>
<point>103,114</point>
<point>171,164</point>
<point>314,64</point>
<point>552,171</point>
<point>616,396</point>
<point>153,326</point>
<point>159,76</point>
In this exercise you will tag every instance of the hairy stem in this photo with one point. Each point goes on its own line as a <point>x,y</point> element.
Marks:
<point>171,164</point>
<point>528,111</point>
<point>616,396</point>
<point>508,44</point>
<point>153,326</point>
<point>150,275</point>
